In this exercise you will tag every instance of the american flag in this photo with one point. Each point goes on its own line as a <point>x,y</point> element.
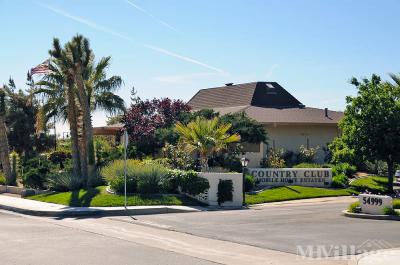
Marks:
<point>42,68</point>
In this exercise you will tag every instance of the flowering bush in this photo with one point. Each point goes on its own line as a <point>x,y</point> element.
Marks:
<point>307,155</point>
<point>274,158</point>
<point>149,124</point>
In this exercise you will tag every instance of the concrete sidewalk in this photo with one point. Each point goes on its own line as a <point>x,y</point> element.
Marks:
<point>37,208</point>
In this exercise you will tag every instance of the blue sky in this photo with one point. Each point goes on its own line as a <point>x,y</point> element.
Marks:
<point>173,48</point>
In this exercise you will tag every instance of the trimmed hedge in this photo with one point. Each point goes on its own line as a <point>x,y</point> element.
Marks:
<point>225,191</point>
<point>312,165</point>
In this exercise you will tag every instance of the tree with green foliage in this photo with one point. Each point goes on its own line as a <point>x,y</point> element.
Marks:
<point>4,148</point>
<point>371,123</point>
<point>75,87</point>
<point>21,111</point>
<point>250,130</point>
<point>206,137</point>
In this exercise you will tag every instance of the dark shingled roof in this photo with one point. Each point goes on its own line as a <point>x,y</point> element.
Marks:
<point>261,94</point>
<point>266,102</point>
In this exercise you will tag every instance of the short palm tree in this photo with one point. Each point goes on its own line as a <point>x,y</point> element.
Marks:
<point>205,137</point>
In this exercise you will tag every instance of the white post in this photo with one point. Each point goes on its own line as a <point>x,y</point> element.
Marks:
<point>125,147</point>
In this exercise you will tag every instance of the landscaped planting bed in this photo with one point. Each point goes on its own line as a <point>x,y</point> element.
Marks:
<point>294,193</point>
<point>98,197</point>
<point>373,184</point>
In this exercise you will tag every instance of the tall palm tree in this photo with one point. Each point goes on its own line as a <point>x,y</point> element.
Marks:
<point>60,93</point>
<point>4,148</point>
<point>98,93</point>
<point>100,89</point>
<point>205,137</point>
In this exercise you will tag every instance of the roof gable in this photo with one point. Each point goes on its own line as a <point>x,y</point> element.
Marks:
<point>272,95</point>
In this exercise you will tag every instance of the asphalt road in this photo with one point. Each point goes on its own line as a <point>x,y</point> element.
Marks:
<point>285,227</point>
<point>25,240</point>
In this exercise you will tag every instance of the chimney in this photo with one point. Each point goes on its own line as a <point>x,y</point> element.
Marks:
<point>326,112</point>
<point>229,84</point>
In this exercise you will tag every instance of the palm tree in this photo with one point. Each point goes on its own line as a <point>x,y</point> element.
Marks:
<point>4,148</point>
<point>58,88</point>
<point>100,89</point>
<point>98,93</point>
<point>205,137</point>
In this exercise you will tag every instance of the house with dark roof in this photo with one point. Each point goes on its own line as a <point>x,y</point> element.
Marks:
<point>288,122</point>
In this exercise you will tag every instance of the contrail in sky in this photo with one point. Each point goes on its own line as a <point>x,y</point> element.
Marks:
<point>107,30</point>
<point>165,24</point>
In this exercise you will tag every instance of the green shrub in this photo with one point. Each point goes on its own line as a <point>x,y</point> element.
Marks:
<point>192,184</point>
<point>170,183</point>
<point>158,161</point>
<point>275,158</point>
<point>307,155</point>
<point>225,191</point>
<point>35,178</point>
<point>177,157</point>
<point>354,207</point>
<point>340,181</point>
<point>149,178</point>
<point>344,168</point>
<point>396,204</point>
<point>2,178</point>
<point>64,181</point>
<point>59,158</point>
<point>105,152</point>
<point>113,173</point>
<point>249,183</point>
<point>307,165</point>
<point>36,171</point>
<point>15,163</point>
<point>290,158</point>
<point>390,211</point>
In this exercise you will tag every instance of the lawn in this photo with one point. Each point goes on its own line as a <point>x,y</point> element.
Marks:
<point>373,184</point>
<point>98,197</point>
<point>294,193</point>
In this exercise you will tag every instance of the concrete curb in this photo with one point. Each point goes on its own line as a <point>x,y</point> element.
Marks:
<point>102,211</point>
<point>371,216</point>
<point>65,213</point>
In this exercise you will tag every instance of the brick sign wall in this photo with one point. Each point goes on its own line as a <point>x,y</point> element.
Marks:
<point>311,177</point>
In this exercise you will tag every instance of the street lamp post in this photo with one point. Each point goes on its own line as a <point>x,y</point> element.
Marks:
<point>244,161</point>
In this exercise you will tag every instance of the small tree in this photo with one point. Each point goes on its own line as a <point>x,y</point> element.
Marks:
<point>275,158</point>
<point>4,152</point>
<point>371,124</point>
<point>150,123</point>
<point>205,137</point>
<point>307,154</point>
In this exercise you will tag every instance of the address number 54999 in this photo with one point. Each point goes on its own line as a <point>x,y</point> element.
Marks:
<point>372,201</point>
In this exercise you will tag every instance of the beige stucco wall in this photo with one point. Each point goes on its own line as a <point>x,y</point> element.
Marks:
<point>290,137</point>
